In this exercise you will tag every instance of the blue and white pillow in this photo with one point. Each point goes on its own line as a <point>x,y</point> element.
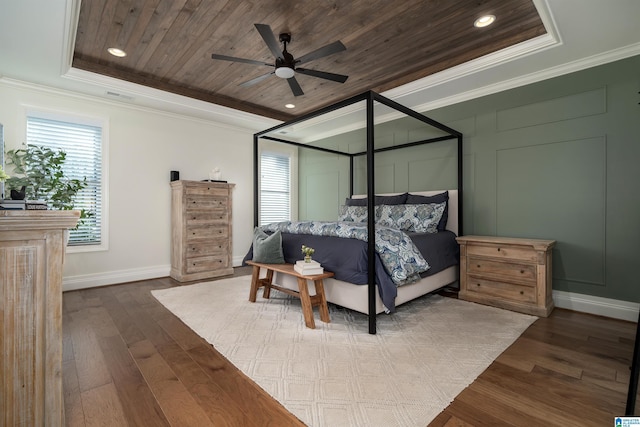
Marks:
<point>417,218</point>
<point>353,213</point>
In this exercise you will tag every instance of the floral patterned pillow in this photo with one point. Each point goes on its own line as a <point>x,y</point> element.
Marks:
<point>353,213</point>
<point>418,218</point>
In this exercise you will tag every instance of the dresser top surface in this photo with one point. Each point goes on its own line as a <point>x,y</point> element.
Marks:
<point>184,183</point>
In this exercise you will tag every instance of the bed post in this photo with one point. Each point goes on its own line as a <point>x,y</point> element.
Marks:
<point>371,226</point>
<point>351,176</point>
<point>256,189</point>
<point>460,211</point>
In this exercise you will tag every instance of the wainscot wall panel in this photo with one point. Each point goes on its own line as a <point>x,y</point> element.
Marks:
<point>433,174</point>
<point>582,104</point>
<point>322,191</point>
<point>557,190</point>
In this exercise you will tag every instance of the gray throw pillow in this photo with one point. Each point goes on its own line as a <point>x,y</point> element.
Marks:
<point>267,248</point>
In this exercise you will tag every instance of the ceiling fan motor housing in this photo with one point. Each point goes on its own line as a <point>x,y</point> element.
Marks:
<point>285,66</point>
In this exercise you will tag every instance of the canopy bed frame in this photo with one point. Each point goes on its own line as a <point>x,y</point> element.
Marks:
<point>370,98</point>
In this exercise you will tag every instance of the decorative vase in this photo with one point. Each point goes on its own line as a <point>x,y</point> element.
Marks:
<point>18,194</point>
<point>307,258</point>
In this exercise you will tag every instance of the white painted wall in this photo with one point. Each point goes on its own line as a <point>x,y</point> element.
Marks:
<point>144,145</point>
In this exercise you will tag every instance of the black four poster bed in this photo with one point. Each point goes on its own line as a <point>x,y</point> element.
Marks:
<point>375,297</point>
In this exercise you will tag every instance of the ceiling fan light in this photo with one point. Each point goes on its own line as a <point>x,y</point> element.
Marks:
<point>284,72</point>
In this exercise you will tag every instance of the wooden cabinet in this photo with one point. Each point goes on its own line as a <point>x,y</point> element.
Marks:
<point>32,247</point>
<point>200,230</point>
<point>507,272</point>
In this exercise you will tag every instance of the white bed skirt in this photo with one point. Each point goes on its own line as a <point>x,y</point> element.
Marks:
<point>355,297</point>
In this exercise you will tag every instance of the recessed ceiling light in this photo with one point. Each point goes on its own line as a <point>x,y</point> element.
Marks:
<point>117,52</point>
<point>290,106</point>
<point>484,21</point>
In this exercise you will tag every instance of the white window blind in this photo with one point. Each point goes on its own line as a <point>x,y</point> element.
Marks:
<point>83,145</point>
<point>275,188</point>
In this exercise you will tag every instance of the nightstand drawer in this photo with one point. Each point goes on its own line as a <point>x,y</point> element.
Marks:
<point>507,291</point>
<point>502,270</point>
<point>502,251</point>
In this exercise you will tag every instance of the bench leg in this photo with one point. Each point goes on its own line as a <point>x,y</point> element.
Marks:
<point>266,282</point>
<point>305,301</point>
<point>255,278</point>
<point>324,310</point>
<point>257,282</point>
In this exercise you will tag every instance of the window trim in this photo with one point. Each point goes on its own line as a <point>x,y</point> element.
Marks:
<point>292,152</point>
<point>103,123</point>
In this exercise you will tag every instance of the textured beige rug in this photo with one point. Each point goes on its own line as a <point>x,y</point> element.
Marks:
<point>339,375</point>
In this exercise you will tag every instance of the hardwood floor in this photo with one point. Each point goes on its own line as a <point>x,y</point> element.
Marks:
<point>128,361</point>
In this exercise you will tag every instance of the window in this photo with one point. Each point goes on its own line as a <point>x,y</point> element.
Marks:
<point>275,187</point>
<point>83,144</point>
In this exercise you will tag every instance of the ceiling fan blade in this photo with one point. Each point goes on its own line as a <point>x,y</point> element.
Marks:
<point>295,87</point>
<point>268,37</point>
<point>257,79</point>
<point>327,50</point>
<point>234,59</point>
<point>340,78</point>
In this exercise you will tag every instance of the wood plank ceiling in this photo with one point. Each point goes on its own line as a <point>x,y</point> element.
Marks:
<point>388,43</point>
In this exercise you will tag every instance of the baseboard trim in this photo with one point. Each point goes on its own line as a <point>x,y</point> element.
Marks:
<point>617,309</point>
<point>84,281</point>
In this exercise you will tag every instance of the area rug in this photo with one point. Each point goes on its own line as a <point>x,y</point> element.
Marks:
<point>337,374</point>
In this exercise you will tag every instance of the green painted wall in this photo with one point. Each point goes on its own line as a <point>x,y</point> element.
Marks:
<point>558,159</point>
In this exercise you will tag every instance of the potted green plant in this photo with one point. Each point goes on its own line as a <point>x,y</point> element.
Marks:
<point>3,175</point>
<point>38,172</point>
<point>307,252</point>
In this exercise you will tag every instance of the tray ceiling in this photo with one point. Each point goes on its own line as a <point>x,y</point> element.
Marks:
<point>388,44</point>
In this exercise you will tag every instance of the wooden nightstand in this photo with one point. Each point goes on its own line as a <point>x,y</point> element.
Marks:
<point>507,272</point>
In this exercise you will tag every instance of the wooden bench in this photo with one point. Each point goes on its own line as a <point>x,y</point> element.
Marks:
<point>307,301</point>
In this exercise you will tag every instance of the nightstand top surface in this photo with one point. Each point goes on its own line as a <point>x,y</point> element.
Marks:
<point>506,241</point>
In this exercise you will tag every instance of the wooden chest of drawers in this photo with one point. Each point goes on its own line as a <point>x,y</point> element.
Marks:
<point>201,230</point>
<point>507,272</point>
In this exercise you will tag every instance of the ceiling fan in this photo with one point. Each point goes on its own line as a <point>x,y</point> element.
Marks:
<point>285,64</point>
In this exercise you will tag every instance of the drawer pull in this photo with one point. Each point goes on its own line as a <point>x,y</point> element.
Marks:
<point>498,249</point>
<point>478,265</point>
<point>478,284</point>
<point>521,271</point>
<point>521,292</point>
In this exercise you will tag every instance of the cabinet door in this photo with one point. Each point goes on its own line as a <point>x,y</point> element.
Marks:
<point>30,348</point>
